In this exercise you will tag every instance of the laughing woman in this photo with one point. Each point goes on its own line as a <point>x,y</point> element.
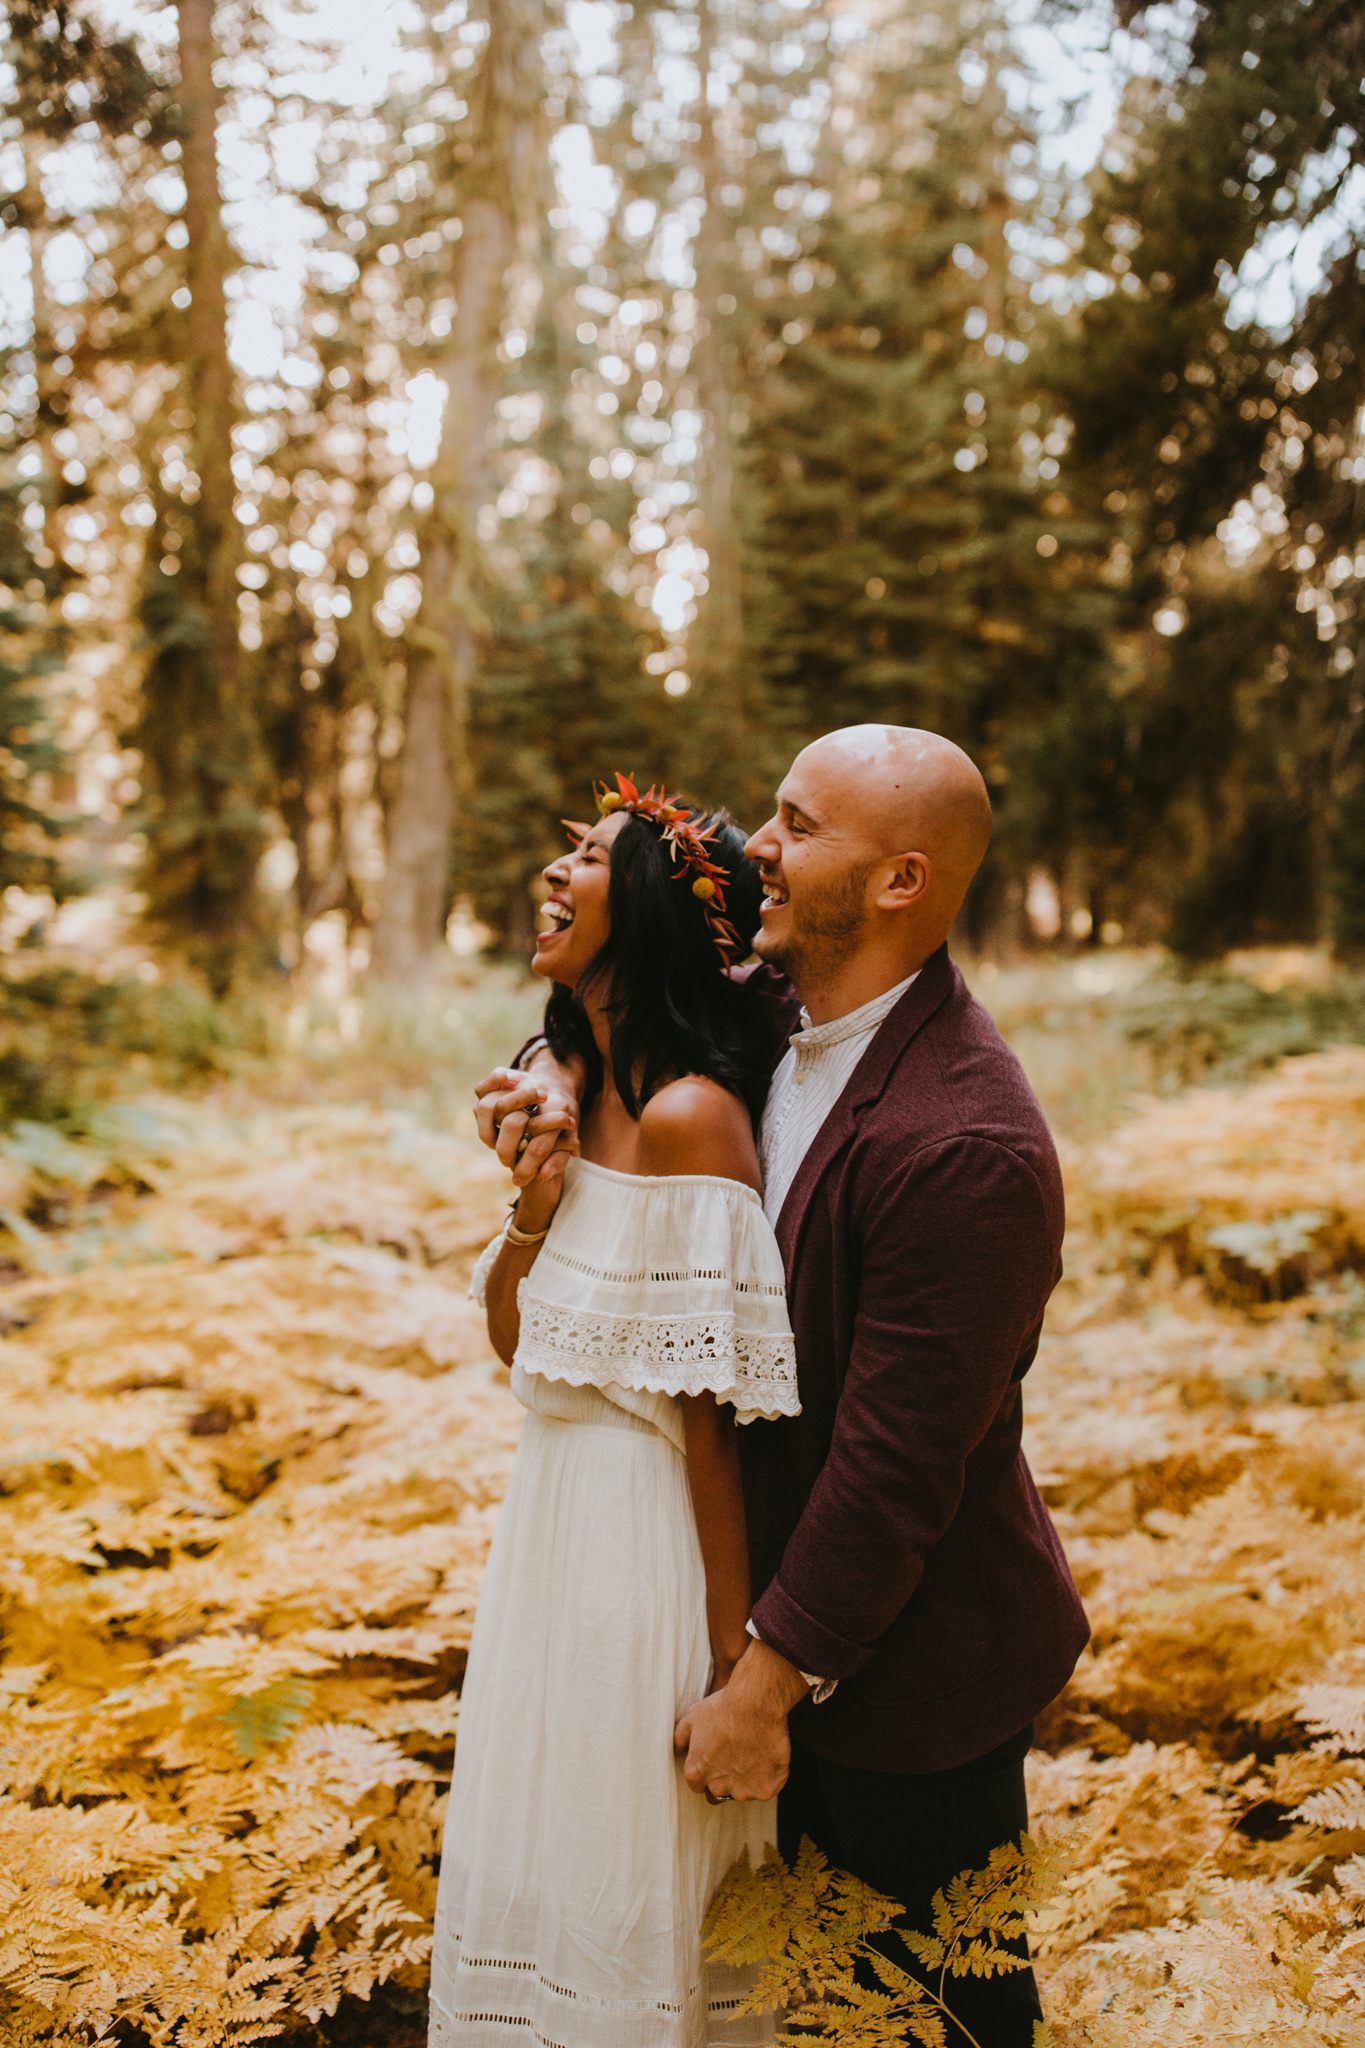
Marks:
<point>640,1304</point>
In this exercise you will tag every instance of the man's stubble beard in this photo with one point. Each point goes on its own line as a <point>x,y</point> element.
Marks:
<point>826,926</point>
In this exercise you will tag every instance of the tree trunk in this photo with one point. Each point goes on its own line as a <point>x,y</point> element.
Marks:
<point>433,764</point>
<point>35,216</point>
<point>199,733</point>
<point>209,372</point>
<point>718,641</point>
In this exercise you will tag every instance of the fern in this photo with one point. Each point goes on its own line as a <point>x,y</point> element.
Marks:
<point>248,1492</point>
<point>218,1689</point>
<point>807,1931</point>
<point>266,1716</point>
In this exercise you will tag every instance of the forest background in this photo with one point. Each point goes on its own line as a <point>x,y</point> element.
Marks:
<point>378,473</point>
<point>392,443</point>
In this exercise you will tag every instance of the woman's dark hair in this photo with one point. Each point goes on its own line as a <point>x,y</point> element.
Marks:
<point>672,1007</point>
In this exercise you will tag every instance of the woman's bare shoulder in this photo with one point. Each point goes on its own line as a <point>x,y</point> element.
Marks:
<point>696,1126</point>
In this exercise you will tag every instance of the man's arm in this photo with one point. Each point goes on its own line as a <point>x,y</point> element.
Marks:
<point>539,1094</point>
<point>935,1342</point>
<point>536,1079</point>
<point>957,1261</point>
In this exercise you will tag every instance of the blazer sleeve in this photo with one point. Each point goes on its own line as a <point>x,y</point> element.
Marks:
<point>955,1259</point>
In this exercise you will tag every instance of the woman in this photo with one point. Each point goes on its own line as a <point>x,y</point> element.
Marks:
<point>640,1303</point>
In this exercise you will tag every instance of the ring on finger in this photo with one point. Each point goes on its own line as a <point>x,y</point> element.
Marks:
<point>527,1133</point>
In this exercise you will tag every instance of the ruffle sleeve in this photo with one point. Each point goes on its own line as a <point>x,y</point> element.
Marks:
<point>670,1286</point>
<point>483,1266</point>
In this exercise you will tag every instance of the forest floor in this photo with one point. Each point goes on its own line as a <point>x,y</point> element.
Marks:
<point>253,1445</point>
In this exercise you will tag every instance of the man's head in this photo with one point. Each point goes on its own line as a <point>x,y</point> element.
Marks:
<point>877,834</point>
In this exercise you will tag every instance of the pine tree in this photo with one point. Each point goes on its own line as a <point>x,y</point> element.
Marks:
<point>65,74</point>
<point>562,696</point>
<point>32,758</point>
<point>1216,751</point>
<point>895,526</point>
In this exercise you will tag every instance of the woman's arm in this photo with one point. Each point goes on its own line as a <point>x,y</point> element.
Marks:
<point>712,1443</point>
<point>533,1214</point>
<point>695,1126</point>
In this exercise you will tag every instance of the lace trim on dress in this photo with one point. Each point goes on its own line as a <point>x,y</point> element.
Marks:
<point>443,2023</point>
<point>698,1354</point>
<point>446,2026</point>
<point>483,1266</point>
<point>621,1278</point>
<point>566,1991</point>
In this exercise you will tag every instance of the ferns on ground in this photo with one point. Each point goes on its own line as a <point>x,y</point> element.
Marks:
<point>254,1449</point>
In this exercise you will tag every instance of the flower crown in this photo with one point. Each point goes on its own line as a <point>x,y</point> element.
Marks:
<point>687,844</point>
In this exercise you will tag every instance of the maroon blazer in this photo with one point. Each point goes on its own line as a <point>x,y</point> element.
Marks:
<point>897,1540</point>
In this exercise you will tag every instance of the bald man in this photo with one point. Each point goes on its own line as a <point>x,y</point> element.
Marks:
<point>912,1609</point>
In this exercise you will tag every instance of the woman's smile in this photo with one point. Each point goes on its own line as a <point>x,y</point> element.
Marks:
<point>560,912</point>
<point>576,921</point>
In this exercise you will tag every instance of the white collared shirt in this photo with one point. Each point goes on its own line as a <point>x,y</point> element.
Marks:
<point>811,1076</point>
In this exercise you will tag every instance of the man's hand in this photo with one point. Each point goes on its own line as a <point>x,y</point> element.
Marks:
<point>736,1740</point>
<point>543,1102</point>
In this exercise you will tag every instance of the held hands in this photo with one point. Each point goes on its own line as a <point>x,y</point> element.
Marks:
<point>735,1740</point>
<point>540,1107</point>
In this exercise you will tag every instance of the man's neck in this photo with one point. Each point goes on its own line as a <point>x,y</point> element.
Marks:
<point>858,982</point>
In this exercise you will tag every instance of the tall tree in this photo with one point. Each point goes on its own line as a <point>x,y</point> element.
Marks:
<point>1205,773</point>
<point>894,525</point>
<point>718,654</point>
<point>67,75</point>
<point>199,730</point>
<point>561,696</point>
<point>494,172</point>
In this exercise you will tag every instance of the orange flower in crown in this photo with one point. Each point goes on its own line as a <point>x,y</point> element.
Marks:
<point>687,844</point>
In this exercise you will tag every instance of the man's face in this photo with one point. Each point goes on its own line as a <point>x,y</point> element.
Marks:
<point>815,864</point>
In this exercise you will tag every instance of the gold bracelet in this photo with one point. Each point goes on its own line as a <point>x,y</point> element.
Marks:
<point>515,1236</point>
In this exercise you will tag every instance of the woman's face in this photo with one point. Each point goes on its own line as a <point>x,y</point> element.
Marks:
<point>578,925</point>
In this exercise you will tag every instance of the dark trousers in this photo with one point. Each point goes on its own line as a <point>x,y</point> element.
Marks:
<point>907,1836</point>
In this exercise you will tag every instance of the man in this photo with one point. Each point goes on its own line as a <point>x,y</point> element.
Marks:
<point>913,1609</point>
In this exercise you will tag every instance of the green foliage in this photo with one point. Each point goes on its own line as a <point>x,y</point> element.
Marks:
<point>70,71</point>
<point>890,424</point>
<point>206,832</point>
<point>560,698</point>
<point>817,1940</point>
<point>1219,461</point>
<point>1220,1027</point>
<point>31,754</point>
<point>69,1041</point>
<point>968,428</point>
<point>270,1715</point>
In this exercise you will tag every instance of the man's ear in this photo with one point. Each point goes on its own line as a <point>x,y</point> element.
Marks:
<point>906,882</point>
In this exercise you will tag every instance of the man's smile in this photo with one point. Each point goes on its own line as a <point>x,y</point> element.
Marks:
<point>774,895</point>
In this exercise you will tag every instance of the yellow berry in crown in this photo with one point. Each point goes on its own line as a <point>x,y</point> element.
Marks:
<point>607,804</point>
<point>704,887</point>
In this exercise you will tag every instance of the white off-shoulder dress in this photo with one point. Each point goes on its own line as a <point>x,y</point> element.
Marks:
<point>577,1863</point>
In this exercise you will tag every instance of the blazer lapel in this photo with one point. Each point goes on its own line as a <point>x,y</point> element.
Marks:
<point>931,989</point>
